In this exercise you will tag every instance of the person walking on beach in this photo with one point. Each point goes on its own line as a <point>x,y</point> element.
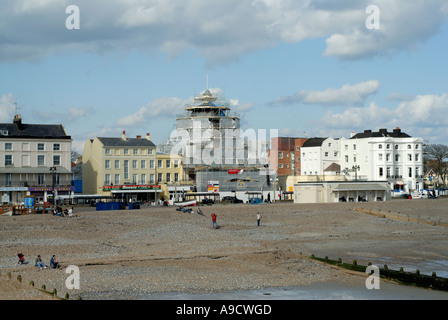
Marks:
<point>214,224</point>
<point>258,218</point>
<point>40,263</point>
<point>21,257</point>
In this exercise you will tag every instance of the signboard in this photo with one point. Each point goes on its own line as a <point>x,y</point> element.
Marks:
<point>132,187</point>
<point>235,171</point>
<point>29,203</point>
<point>213,186</point>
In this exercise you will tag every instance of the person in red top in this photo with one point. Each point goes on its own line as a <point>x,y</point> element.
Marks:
<point>214,224</point>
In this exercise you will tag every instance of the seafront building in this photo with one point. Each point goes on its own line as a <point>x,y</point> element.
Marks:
<point>35,162</point>
<point>216,154</point>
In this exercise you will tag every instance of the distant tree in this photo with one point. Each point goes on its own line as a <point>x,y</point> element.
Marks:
<point>437,155</point>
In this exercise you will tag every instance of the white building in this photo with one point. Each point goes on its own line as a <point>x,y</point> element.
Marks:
<point>320,156</point>
<point>35,160</point>
<point>393,157</point>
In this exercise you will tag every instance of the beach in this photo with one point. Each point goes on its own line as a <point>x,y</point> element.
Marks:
<point>158,252</point>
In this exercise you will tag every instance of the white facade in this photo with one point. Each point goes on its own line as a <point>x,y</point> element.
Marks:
<point>393,157</point>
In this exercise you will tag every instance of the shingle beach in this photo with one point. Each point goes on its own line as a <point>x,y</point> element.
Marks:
<point>136,254</point>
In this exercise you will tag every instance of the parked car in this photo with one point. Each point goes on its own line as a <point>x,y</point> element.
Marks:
<point>231,199</point>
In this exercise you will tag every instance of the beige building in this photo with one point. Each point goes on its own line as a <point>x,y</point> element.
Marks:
<point>130,169</point>
<point>120,167</point>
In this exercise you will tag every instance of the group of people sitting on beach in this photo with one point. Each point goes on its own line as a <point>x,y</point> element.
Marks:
<point>54,263</point>
<point>58,211</point>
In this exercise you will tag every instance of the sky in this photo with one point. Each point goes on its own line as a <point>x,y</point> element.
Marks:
<point>314,68</point>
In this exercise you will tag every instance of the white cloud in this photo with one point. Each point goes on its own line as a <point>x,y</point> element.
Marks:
<point>347,95</point>
<point>219,31</point>
<point>424,116</point>
<point>7,108</point>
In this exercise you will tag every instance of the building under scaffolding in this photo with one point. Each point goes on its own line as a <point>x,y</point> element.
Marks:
<point>215,151</point>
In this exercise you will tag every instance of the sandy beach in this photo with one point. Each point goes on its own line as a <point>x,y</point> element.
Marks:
<point>158,251</point>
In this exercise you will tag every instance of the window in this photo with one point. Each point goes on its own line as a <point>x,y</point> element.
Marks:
<point>126,151</point>
<point>8,146</point>
<point>280,155</point>
<point>117,164</point>
<point>56,160</point>
<point>326,154</point>
<point>159,164</point>
<point>107,179</point>
<point>346,158</point>
<point>388,172</point>
<point>8,160</point>
<point>56,147</point>
<point>107,164</point>
<point>150,152</point>
<point>135,152</point>
<point>335,154</point>
<point>176,177</point>
<point>168,163</point>
<point>381,172</point>
<point>152,178</point>
<point>346,147</point>
<point>126,169</point>
<point>417,172</point>
<point>397,157</point>
<point>396,147</point>
<point>159,177</point>
<point>134,164</point>
<point>117,179</point>
<point>416,147</point>
<point>40,160</point>
<point>151,164</point>
<point>280,165</point>
<point>388,146</point>
<point>143,178</point>
<point>409,147</point>
<point>168,177</point>
<point>287,166</point>
<point>380,146</point>
<point>176,163</point>
<point>354,147</point>
<point>297,148</point>
<point>107,151</point>
<point>387,156</point>
<point>354,158</point>
<point>397,172</point>
<point>41,179</point>
<point>416,157</point>
<point>410,172</point>
<point>143,164</point>
<point>410,157</point>
<point>380,157</point>
<point>134,178</point>
<point>41,146</point>
<point>8,179</point>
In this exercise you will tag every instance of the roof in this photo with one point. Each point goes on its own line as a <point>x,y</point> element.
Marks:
<point>334,167</point>
<point>129,142</point>
<point>40,131</point>
<point>314,142</point>
<point>395,133</point>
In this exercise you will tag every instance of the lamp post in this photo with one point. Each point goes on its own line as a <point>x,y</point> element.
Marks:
<point>53,172</point>
<point>356,168</point>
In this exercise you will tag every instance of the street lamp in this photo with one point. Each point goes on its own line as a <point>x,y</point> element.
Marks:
<point>356,168</point>
<point>53,172</point>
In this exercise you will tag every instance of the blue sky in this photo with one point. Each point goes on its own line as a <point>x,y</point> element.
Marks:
<point>306,68</point>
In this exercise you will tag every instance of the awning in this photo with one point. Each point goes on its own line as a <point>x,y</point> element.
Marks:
<point>360,187</point>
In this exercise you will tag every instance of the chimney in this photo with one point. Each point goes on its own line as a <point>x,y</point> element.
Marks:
<point>148,137</point>
<point>139,137</point>
<point>352,134</point>
<point>18,121</point>
<point>123,136</point>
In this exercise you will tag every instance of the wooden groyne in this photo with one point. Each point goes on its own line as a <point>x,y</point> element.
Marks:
<point>404,217</point>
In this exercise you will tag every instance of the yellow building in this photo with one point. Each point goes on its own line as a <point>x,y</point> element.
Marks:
<point>120,167</point>
<point>171,176</point>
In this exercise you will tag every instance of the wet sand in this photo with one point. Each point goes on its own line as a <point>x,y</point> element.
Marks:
<point>156,252</point>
